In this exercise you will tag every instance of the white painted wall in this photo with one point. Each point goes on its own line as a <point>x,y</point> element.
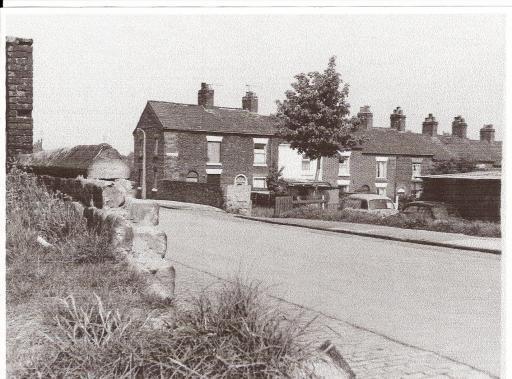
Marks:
<point>292,163</point>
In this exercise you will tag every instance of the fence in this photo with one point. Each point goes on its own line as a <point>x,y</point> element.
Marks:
<point>286,203</point>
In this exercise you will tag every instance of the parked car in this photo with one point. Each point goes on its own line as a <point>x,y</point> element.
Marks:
<point>432,210</point>
<point>367,202</point>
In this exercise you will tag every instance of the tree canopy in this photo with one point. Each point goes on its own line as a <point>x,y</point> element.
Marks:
<point>315,114</point>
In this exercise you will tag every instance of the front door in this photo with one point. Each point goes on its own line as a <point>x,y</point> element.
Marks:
<point>213,179</point>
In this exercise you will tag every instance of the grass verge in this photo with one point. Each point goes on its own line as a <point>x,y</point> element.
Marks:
<point>74,309</point>
<point>468,227</point>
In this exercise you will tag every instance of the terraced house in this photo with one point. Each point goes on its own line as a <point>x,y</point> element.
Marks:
<point>205,143</point>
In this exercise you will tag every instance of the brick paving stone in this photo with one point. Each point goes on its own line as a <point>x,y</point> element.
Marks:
<point>368,354</point>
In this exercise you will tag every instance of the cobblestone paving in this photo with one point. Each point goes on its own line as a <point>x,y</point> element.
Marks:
<point>369,355</point>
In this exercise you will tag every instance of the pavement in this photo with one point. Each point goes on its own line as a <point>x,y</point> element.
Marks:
<point>397,309</point>
<point>424,237</point>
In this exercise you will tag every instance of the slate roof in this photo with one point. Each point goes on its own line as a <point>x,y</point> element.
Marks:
<point>78,157</point>
<point>177,116</point>
<point>387,141</point>
<point>473,150</point>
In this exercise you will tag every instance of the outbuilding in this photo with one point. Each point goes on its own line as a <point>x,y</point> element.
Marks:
<point>476,195</point>
<point>90,161</point>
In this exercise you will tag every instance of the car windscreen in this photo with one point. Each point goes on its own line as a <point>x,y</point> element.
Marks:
<point>381,204</point>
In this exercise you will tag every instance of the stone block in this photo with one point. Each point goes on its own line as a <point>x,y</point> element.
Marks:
<point>142,212</point>
<point>149,242</point>
<point>113,195</point>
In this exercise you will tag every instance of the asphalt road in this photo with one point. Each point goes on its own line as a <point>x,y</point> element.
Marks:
<point>438,299</point>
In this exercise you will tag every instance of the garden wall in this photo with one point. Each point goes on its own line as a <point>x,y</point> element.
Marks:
<point>197,193</point>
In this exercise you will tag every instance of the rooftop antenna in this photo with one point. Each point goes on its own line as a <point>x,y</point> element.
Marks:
<point>250,86</point>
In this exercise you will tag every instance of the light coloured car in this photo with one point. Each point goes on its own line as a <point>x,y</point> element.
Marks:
<point>368,202</point>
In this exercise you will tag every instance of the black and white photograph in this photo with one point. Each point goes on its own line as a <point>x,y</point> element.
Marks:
<point>243,190</point>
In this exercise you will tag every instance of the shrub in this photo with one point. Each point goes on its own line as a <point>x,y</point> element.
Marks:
<point>400,220</point>
<point>229,333</point>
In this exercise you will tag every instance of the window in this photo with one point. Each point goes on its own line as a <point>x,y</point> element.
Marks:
<point>344,189</point>
<point>260,183</point>
<point>381,191</point>
<point>382,167</point>
<point>141,148</point>
<point>416,170</point>
<point>306,164</point>
<point>214,149</point>
<point>155,153</point>
<point>213,152</point>
<point>344,169</point>
<point>192,177</point>
<point>260,151</point>
<point>344,165</point>
<point>240,180</point>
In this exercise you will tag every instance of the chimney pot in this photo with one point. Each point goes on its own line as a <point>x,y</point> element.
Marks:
<point>365,115</point>
<point>250,102</point>
<point>205,96</point>
<point>459,127</point>
<point>397,119</point>
<point>429,126</point>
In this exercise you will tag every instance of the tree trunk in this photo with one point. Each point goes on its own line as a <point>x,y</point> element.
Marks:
<point>317,174</point>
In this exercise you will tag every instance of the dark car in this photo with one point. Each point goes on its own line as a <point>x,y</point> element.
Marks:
<point>431,210</point>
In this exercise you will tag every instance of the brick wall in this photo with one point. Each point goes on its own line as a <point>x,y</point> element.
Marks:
<point>330,168</point>
<point>187,151</point>
<point>19,96</point>
<point>198,193</point>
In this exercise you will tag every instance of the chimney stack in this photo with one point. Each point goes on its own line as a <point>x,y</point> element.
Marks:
<point>430,126</point>
<point>250,102</point>
<point>365,115</point>
<point>487,133</point>
<point>459,127</point>
<point>205,96</point>
<point>397,119</point>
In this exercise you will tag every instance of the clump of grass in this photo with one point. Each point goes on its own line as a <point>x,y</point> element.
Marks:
<point>231,332</point>
<point>262,212</point>
<point>452,225</point>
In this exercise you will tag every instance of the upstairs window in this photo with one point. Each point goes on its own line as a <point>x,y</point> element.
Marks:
<point>306,164</point>
<point>344,163</point>
<point>155,152</point>
<point>260,151</point>
<point>214,149</point>
<point>381,168</point>
<point>416,170</point>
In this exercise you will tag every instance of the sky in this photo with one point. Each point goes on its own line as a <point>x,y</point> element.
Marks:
<point>93,74</point>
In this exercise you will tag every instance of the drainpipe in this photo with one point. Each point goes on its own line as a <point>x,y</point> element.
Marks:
<point>143,195</point>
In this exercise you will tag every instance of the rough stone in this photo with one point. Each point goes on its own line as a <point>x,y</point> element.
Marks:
<point>149,241</point>
<point>113,195</point>
<point>143,212</point>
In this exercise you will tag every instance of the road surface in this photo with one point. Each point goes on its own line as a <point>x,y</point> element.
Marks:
<point>442,300</point>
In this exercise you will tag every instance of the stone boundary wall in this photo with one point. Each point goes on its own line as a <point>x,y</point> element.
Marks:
<point>197,193</point>
<point>90,192</point>
<point>136,239</point>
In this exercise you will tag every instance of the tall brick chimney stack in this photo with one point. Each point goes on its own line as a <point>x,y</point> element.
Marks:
<point>487,133</point>
<point>459,127</point>
<point>365,115</point>
<point>250,102</point>
<point>205,96</point>
<point>430,126</point>
<point>19,96</point>
<point>397,119</point>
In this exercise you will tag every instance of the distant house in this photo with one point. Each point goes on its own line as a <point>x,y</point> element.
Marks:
<point>477,195</point>
<point>205,143</point>
<point>392,160</point>
<point>90,161</point>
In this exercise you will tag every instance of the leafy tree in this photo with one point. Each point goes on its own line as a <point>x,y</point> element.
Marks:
<point>315,115</point>
<point>452,166</point>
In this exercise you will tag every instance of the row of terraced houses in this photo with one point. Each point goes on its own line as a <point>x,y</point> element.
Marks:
<point>205,143</point>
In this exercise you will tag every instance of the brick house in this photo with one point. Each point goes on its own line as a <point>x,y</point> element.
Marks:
<point>205,143</point>
<point>392,159</point>
<point>208,144</point>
